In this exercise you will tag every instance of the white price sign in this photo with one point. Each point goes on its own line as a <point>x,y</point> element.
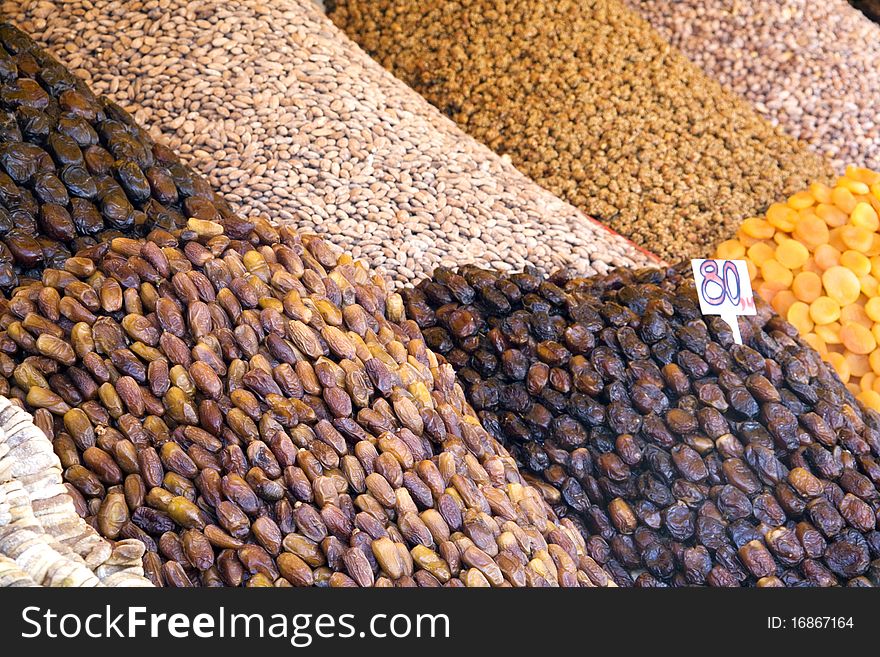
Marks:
<point>724,288</point>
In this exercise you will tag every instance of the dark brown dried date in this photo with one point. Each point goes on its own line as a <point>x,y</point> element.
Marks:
<point>653,425</point>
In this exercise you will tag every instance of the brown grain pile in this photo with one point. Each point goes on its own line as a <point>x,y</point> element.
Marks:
<point>594,105</point>
<point>248,404</point>
<point>689,459</point>
<point>290,119</point>
<point>811,67</point>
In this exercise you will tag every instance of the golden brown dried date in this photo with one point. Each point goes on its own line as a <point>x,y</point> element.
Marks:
<point>225,397</point>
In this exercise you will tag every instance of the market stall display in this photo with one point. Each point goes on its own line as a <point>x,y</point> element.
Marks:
<point>291,120</point>
<point>595,106</point>
<point>810,67</point>
<point>688,459</point>
<point>262,410</point>
<point>194,395</point>
<point>248,404</point>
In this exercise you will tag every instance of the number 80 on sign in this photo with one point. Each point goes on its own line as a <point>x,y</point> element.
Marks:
<point>724,288</point>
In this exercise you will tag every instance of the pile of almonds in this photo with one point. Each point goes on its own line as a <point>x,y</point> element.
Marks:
<point>810,67</point>
<point>291,120</point>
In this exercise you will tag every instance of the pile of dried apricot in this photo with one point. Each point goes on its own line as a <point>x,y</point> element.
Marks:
<point>816,259</point>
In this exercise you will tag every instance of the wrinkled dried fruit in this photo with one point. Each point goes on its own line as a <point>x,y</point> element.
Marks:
<point>684,454</point>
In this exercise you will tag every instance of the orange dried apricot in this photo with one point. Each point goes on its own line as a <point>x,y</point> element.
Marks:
<point>758,228</point>
<point>824,310</point>
<point>782,217</point>
<point>793,255</point>
<point>858,263</point>
<point>870,286</point>
<point>811,231</point>
<point>829,333</point>
<point>843,199</point>
<point>799,316</point>
<point>838,362</point>
<point>730,250</point>
<point>874,361</point>
<point>872,308</point>
<point>775,274</point>
<point>853,186</point>
<point>861,174</point>
<point>800,200</point>
<point>782,301</point>
<point>855,312</point>
<point>816,343</point>
<point>857,339</point>
<point>821,192</point>
<point>841,285</point>
<point>858,364</point>
<point>826,256</point>
<point>807,286</point>
<point>831,215</point>
<point>759,252</point>
<point>856,237</point>
<point>864,216</point>
<point>869,398</point>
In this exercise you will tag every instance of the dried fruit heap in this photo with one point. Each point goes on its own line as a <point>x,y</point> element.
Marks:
<point>686,457</point>
<point>254,408</point>
<point>257,411</point>
<point>75,169</point>
<point>816,259</point>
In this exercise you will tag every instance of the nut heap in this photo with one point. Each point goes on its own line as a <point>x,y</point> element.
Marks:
<point>290,119</point>
<point>689,460</point>
<point>816,259</point>
<point>810,67</point>
<point>76,170</point>
<point>595,106</point>
<point>259,411</point>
